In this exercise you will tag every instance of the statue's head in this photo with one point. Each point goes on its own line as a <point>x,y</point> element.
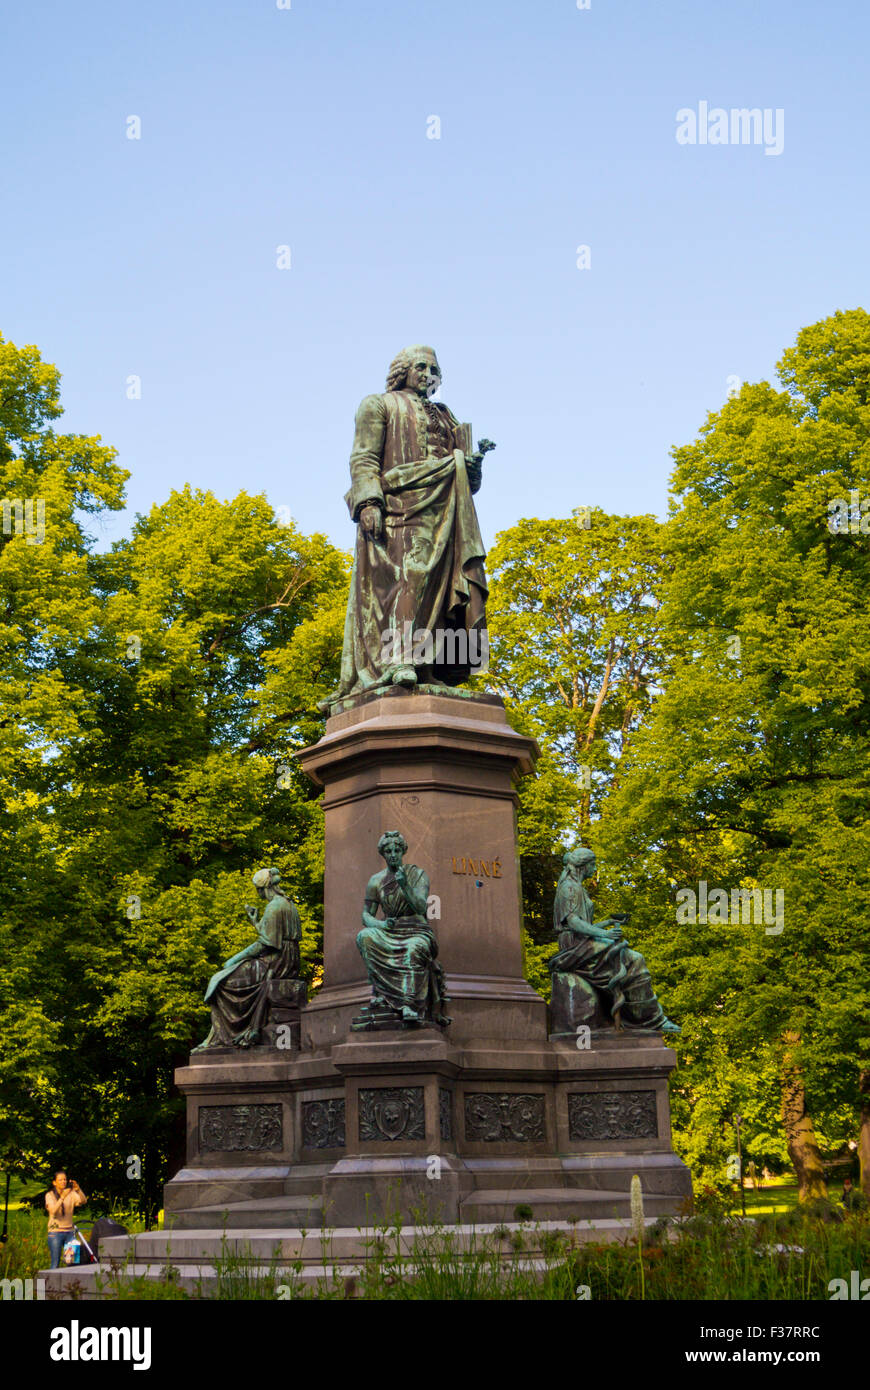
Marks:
<point>392,845</point>
<point>580,862</point>
<point>415,368</point>
<point>266,878</point>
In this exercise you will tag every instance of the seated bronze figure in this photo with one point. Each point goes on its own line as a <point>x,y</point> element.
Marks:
<point>597,979</point>
<point>239,992</point>
<point>399,950</point>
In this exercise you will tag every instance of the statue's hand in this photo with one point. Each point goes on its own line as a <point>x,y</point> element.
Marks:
<point>371,519</point>
<point>251,910</point>
<point>475,459</point>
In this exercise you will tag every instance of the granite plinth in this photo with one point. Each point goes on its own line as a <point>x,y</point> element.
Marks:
<point>443,770</point>
<point>416,1125</point>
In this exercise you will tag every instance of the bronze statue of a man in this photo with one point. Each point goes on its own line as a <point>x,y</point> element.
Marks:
<point>416,611</point>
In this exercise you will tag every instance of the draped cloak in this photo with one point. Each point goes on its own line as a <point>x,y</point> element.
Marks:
<point>239,992</point>
<point>612,969</point>
<point>401,958</point>
<point>426,573</point>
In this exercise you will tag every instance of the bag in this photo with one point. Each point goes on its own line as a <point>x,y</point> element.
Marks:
<point>102,1227</point>
<point>72,1253</point>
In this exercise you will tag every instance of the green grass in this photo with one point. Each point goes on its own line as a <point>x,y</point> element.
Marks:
<point>711,1256</point>
<point>716,1256</point>
<point>777,1195</point>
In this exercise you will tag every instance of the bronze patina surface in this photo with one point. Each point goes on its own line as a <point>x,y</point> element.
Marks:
<point>399,950</point>
<point>239,993</point>
<point>416,613</point>
<point>597,979</point>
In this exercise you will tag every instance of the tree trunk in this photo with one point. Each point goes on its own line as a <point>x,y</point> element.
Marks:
<point>864,1133</point>
<point>800,1133</point>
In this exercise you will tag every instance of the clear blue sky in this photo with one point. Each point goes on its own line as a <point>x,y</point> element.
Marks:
<point>307,127</point>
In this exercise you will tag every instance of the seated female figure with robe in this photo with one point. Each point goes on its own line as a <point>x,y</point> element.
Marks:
<point>399,949</point>
<point>597,978</point>
<point>239,992</point>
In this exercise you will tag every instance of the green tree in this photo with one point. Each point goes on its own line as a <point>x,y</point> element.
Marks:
<point>752,771</point>
<point>575,654</point>
<point>51,485</point>
<point>153,699</point>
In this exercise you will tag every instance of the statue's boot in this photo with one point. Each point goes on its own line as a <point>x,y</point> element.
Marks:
<point>406,675</point>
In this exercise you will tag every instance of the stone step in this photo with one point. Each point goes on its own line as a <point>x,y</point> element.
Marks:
<point>261,1245</point>
<point>302,1258</point>
<point>294,1212</point>
<point>563,1204</point>
<point>90,1283</point>
<point>215,1187</point>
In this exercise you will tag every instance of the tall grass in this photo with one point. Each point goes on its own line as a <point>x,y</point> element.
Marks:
<point>716,1256</point>
<point>712,1255</point>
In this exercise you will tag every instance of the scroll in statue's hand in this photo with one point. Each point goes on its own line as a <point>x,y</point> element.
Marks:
<point>371,519</point>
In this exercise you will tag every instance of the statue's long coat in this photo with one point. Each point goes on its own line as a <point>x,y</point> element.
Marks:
<point>427,570</point>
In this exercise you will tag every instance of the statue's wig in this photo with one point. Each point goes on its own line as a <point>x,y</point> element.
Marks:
<point>389,835</point>
<point>398,372</point>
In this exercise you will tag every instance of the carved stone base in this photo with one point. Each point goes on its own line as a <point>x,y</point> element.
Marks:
<point>411,1124</point>
<point>442,768</point>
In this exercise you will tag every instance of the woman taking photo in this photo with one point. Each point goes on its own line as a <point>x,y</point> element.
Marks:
<point>61,1200</point>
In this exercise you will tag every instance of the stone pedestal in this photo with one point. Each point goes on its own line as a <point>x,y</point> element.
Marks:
<point>417,1125</point>
<point>461,1125</point>
<point>443,770</point>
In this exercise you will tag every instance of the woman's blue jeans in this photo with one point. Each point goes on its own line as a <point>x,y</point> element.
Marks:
<point>56,1241</point>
